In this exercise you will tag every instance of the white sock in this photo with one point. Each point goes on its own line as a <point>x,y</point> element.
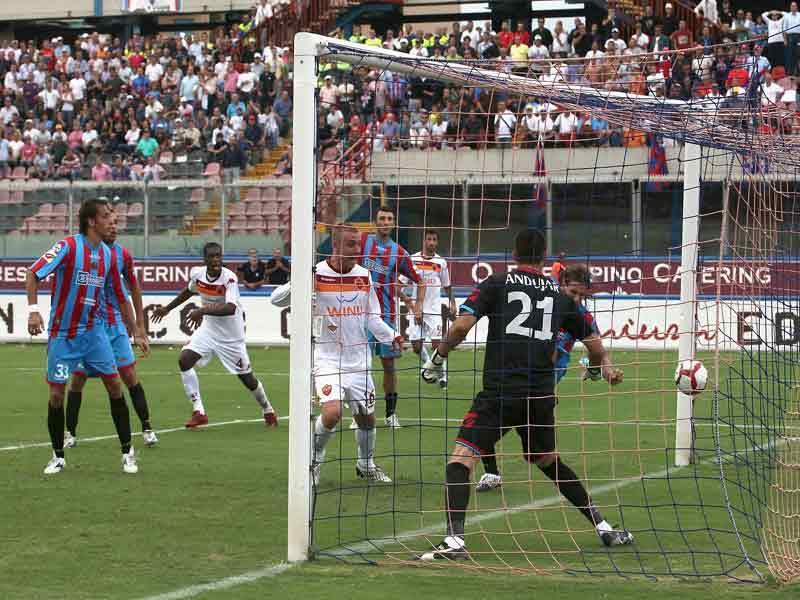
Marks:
<point>191,385</point>
<point>261,397</point>
<point>604,526</point>
<point>321,437</point>
<point>365,438</point>
<point>444,370</point>
<point>424,354</point>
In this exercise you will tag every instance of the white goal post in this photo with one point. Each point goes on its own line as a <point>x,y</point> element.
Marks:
<point>308,48</point>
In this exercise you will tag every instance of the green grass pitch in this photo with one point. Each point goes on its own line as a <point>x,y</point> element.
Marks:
<point>208,508</point>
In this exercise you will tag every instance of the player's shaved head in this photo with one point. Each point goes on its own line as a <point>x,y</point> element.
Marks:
<point>346,242</point>
<point>212,257</point>
<point>529,247</point>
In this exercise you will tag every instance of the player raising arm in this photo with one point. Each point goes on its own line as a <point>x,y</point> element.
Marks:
<point>219,323</point>
<point>525,311</point>
<point>345,309</point>
<point>124,358</point>
<point>84,274</point>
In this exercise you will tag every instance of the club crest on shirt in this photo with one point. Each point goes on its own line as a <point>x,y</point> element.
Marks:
<point>327,389</point>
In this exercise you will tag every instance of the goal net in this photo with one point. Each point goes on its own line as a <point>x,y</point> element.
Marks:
<point>676,185</point>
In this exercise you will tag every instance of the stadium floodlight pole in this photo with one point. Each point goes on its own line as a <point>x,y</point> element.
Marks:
<point>304,187</point>
<point>687,324</point>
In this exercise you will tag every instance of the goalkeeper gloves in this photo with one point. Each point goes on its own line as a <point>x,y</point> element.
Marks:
<point>593,373</point>
<point>433,369</point>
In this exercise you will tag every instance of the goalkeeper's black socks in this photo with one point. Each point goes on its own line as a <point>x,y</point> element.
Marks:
<point>391,404</point>
<point>55,425</point>
<point>572,489</point>
<point>122,421</point>
<point>490,464</point>
<point>456,497</point>
<point>140,405</point>
<point>73,410</point>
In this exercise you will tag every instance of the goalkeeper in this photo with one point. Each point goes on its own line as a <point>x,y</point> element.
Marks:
<point>575,282</point>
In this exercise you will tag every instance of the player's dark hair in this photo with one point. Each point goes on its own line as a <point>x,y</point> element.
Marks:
<point>529,247</point>
<point>209,246</point>
<point>384,208</point>
<point>432,232</point>
<point>89,210</point>
<point>576,274</point>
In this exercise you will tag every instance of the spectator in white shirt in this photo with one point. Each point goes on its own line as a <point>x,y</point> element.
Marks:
<point>771,92</point>
<point>775,27</point>
<point>77,86</point>
<point>419,136</point>
<point>504,123</point>
<point>791,22</point>
<point>328,93</point>
<point>566,124</point>
<point>538,52</point>
<point>595,52</point>
<point>709,10</point>
<point>9,112</point>
<point>154,70</point>
<point>640,41</point>
<point>561,45</point>
<point>11,81</point>
<point>616,43</point>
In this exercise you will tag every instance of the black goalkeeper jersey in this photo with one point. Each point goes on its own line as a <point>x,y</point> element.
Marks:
<point>526,312</point>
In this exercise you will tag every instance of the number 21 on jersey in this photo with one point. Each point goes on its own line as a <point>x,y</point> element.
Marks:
<point>516,325</point>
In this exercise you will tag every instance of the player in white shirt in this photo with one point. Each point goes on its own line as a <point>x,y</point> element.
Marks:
<point>346,308</point>
<point>432,268</point>
<point>219,332</point>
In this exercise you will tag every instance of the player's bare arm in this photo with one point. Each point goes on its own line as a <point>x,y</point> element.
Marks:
<point>162,311</point>
<point>217,310</point>
<point>421,287</point>
<point>138,305</point>
<point>599,359</point>
<point>451,301</point>
<point>35,320</point>
<point>139,337</point>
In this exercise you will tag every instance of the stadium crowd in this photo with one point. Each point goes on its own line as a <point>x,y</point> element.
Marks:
<point>100,108</point>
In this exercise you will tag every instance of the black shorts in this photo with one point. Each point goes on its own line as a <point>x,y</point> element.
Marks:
<point>492,416</point>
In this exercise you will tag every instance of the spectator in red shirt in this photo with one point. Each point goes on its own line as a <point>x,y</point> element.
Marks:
<point>521,35</point>
<point>682,37</point>
<point>505,38</point>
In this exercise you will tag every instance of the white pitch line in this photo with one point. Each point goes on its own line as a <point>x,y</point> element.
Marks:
<point>223,584</point>
<point>100,438</point>
<point>362,547</point>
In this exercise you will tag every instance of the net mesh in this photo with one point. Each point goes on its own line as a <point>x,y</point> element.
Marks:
<point>592,151</point>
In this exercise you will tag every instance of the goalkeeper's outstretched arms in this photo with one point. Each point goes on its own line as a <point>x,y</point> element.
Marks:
<point>433,369</point>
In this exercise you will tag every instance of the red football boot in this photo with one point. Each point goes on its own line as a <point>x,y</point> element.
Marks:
<point>197,420</point>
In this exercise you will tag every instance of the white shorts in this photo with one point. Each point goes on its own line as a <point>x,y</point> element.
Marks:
<point>431,328</point>
<point>232,355</point>
<point>357,390</point>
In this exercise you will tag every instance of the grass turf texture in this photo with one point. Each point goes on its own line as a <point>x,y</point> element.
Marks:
<point>210,504</point>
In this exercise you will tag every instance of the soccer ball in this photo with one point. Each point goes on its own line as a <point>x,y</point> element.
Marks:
<point>691,377</point>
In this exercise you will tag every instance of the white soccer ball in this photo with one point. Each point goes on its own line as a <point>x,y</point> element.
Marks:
<point>282,295</point>
<point>691,377</point>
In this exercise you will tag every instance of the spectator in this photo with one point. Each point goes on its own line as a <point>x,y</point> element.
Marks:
<point>771,92</point>
<point>615,44</point>
<point>579,38</point>
<point>101,171</point>
<point>71,165</point>
<point>252,273</point>
<point>649,20</point>
<point>504,124</point>
<point>707,9</point>
<point>505,38</point>
<point>120,171</point>
<point>669,23</point>
<point>775,21</point>
<point>560,45</point>
<point>278,269</point>
<point>147,145</point>
<point>5,155</point>
<point>547,36</point>
<point>682,37</point>
<point>42,164</point>
<point>152,172</point>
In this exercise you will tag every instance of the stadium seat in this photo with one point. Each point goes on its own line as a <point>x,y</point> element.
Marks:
<point>5,196</point>
<point>60,209</point>
<point>270,208</point>
<point>269,194</point>
<point>253,195</point>
<point>285,194</point>
<point>19,173</point>
<point>238,226</point>
<point>253,209</point>
<point>236,209</point>
<point>197,195</point>
<point>46,209</point>
<point>136,209</point>
<point>255,224</point>
<point>212,170</point>
<point>165,158</point>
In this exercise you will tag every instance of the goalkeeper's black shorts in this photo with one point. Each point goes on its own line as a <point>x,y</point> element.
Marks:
<point>492,416</point>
